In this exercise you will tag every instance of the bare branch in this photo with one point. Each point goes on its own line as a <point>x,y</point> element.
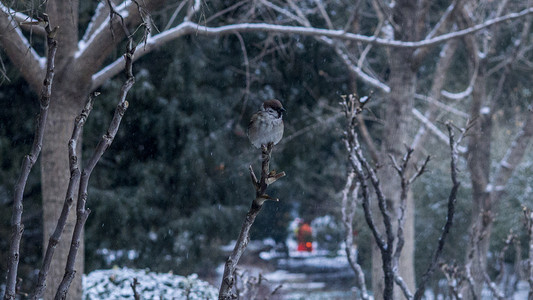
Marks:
<point>267,177</point>
<point>190,27</point>
<point>100,15</point>
<point>360,73</point>
<point>103,145</point>
<point>17,227</point>
<point>19,50</point>
<point>441,136</point>
<point>439,27</point>
<point>352,145</point>
<point>514,154</point>
<point>356,69</point>
<point>352,106</point>
<point>433,113</point>
<point>69,198</point>
<point>403,286</point>
<point>341,34</point>
<point>405,184</point>
<point>452,199</point>
<point>93,51</point>
<point>324,13</point>
<point>442,105</point>
<point>30,24</point>
<point>175,14</point>
<point>469,88</point>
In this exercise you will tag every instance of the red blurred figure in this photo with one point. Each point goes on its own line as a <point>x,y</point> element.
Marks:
<point>304,235</point>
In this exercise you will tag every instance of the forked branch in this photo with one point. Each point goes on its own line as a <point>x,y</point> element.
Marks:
<point>267,177</point>
<point>82,213</point>
<point>69,198</point>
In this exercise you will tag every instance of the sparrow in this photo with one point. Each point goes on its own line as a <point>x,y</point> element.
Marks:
<point>266,125</point>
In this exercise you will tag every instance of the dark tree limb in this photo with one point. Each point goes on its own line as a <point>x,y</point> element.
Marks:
<point>29,160</point>
<point>81,211</point>
<point>69,198</point>
<point>267,177</point>
<point>452,199</point>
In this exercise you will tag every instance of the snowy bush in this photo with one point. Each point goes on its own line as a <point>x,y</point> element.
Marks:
<point>116,284</point>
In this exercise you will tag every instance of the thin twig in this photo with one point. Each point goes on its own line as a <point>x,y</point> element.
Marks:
<point>29,160</point>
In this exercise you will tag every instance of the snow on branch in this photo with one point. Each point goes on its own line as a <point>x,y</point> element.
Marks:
<point>442,105</point>
<point>469,88</point>
<point>188,27</point>
<point>25,21</point>
<point>99,16</point>
<point>356,69</point>
<point>430,125</point>
<point>515,153</point>
<point>19,49</point>
<point>458,96</point>
<point>341,34</point>
<point>101,22</point>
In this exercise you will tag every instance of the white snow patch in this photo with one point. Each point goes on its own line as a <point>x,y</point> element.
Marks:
<point>116,284</point>
<point>283,276</point>
<point>485,110</point>
<point>505,164</point>
<point>98,12</point>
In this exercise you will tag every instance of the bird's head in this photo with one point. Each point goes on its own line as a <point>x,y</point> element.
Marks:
<point>273,106</point>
